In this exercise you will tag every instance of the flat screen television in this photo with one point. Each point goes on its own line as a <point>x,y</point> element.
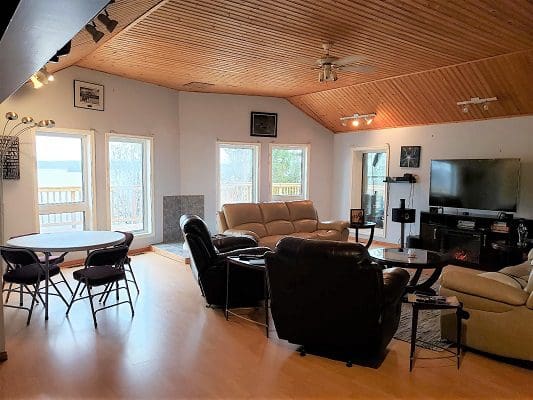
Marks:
<point>482,184</point>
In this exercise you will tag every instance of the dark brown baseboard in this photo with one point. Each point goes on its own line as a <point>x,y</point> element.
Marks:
<point>77,263</point>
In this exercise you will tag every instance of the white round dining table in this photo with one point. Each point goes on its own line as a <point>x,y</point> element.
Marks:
<point>65,242</point>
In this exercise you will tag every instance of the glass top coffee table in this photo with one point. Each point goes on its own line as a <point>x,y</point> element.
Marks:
<point>418,259</point>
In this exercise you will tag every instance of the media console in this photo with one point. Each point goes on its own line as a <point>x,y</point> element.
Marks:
<point>474,240</point>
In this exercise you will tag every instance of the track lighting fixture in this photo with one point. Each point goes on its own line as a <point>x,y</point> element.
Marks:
<point>41,77</point>
<point>95,33</point>
<point>476,101</point>
<point>109,23</point>
<point>63,51</point>
<point>356,119</point>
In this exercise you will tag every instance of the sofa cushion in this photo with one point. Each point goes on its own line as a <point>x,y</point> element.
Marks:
<point>303,215</point>
<point>276,218</point>
<point>245,216</point>
<point>503,278</point>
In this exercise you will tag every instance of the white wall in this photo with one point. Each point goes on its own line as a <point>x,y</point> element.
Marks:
<point>499,138</point>
<point>131,107</point>
<point>206,118</point>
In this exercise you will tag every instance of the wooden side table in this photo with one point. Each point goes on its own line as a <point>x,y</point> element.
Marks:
<point>417,306</point>
<point>364,225</point>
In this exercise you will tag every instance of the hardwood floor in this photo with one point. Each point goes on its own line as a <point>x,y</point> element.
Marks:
<point>174,347</point>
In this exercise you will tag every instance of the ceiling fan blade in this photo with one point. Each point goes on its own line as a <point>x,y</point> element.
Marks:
<point>349,60</point>
<point>362,69</point>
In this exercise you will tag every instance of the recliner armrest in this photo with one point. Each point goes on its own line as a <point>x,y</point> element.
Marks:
<point>251,250</point>
<point>333,225</point>
<point>241,232</point>
<point>394,283</point>
<point>483,287</point>
<point>229,243</point>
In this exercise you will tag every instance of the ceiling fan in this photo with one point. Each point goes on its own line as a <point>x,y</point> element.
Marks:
<point>328,65</point>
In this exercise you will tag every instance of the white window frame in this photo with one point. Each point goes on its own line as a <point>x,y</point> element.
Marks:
<point>148,177</point>
<point>357,183</point>
<point>257,167</point>
<point>87,206</point>
<point>305,172</point>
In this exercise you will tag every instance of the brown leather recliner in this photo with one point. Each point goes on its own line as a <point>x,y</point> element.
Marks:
<point>329,297</point>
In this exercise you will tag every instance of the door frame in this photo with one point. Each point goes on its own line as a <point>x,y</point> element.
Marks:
<point>357,181</point>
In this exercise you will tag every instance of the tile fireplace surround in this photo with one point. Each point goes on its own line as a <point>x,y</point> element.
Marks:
<point>173,208</point>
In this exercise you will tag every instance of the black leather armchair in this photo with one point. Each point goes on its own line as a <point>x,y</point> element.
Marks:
<point>328,297</point>
<point>208,264</point>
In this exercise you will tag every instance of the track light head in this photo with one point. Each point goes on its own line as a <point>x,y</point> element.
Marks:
<point>485,106</point>
<point>369,120</point>
<point>355,122</point>
<point>109,23</point>
<point>37,84</point>
<point>26,120</point>
<point>465,109</point>
<point>95,33</point>
<point>343,123</point>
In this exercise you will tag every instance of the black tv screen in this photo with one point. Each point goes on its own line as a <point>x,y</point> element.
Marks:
<point>484,184</point>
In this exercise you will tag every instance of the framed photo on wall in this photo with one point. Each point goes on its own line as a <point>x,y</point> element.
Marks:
<point>357,216</point>
<point>264,124</point>
<point>410,156</point>
<point>88,95</point>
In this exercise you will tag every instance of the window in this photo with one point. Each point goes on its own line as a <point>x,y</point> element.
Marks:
<point>369,192</point>
<point>288,172</point>
<point>64,180</point>
<point>130,183</point>
<point>238,171</point>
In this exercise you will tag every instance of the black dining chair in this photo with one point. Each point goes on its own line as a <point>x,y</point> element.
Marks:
<point>53,261</point>
<point>103,267</point>
<point>24,269</point>
<point>127,262</point>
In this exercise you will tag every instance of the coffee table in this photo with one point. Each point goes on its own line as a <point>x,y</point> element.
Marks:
<point>421,259</point>
<point>258,265</point>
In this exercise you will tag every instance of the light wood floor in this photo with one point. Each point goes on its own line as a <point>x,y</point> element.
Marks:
<point>176,348</point>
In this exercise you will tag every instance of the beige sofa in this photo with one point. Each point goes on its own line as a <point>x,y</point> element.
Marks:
<point>269,222</point>
<point>500,305</point>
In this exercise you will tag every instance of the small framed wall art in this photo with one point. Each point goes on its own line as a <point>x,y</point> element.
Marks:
<point>88,95</point>
<point>357,216</point>
<point>264,124</point>
<point>410,156</point>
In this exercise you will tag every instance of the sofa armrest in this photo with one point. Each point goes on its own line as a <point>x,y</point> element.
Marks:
<point>483,287</point>
<point>394,283</point>
<point>529,303</point>
<point>229,243</point>
<point>241,232</point>
<point>333,225</point>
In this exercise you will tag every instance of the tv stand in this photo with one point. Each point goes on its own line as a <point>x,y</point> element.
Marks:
<point>469,239</point>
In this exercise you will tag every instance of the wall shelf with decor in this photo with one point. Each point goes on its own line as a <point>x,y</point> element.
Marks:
<point>406,178</point>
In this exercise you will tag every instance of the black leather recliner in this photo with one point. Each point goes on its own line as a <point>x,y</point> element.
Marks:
<point>208,264</point>
<point>328,297</point>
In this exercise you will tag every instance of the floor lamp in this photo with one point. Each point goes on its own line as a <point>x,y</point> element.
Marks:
<point>8,147</point>
<point>403,216</point>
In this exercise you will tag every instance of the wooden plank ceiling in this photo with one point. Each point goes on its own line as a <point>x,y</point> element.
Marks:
<point>427,54</point>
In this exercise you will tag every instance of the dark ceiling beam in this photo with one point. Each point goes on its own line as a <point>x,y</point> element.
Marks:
<point>34,34</point>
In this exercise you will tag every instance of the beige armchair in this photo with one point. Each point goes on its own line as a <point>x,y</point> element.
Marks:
<point>500,305</point>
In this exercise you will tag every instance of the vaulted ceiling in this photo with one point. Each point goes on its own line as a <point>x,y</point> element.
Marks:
<point>427,54</point>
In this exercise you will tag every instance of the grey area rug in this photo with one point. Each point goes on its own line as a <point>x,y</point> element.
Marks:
<point>428,332</point>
